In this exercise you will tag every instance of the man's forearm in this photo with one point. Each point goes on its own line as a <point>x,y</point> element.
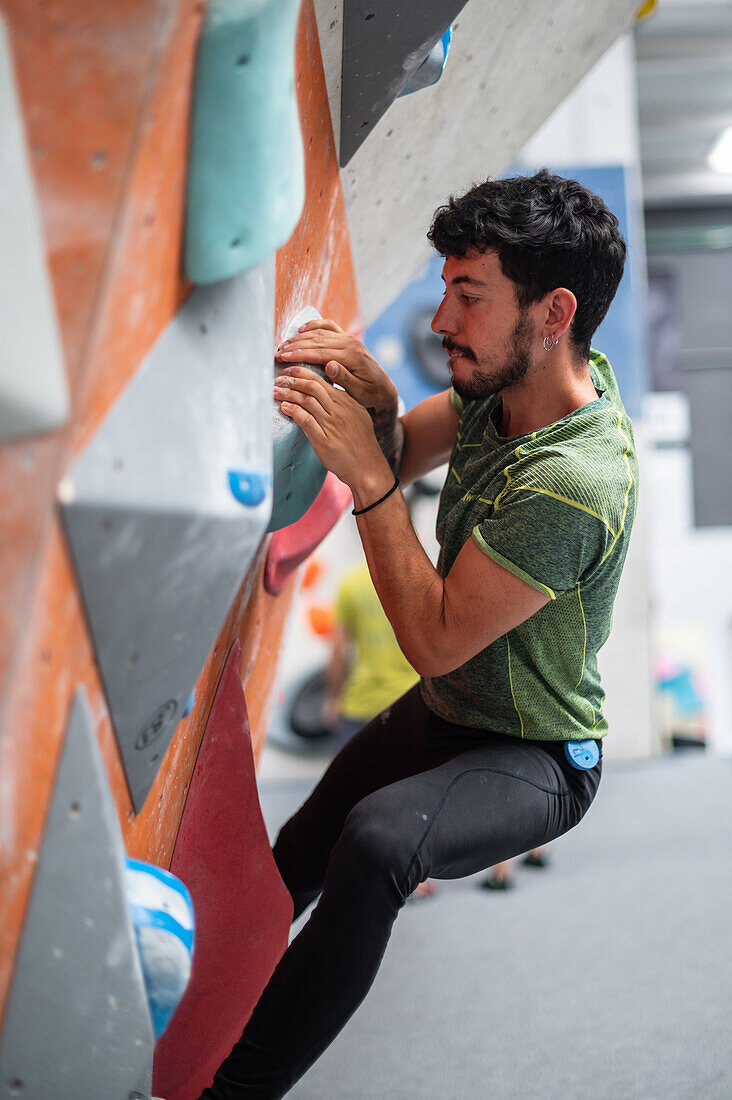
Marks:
<point>409,587</point>
<point>389,432</point>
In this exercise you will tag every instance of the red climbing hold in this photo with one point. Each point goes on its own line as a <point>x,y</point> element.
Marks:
<point>242,908</point>
<point>291,545</point>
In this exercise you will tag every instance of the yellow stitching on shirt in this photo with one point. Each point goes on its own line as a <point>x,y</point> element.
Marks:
<point>510,681</point>
<point>507,475</point>
<point>565,500</point>
<point>626,452</point>
<point>584,656</point>
<point>584,643</point>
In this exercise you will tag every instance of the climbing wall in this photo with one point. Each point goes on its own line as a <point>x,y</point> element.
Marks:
<point>136,541</point>
<point>184,182</point>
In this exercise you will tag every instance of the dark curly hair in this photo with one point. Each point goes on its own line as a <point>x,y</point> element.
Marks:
<point>548,232</point>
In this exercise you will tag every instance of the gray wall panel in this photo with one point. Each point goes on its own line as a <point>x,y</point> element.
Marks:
<point>159,540</point>
<point>382,49</point>
<point>77,1022</point>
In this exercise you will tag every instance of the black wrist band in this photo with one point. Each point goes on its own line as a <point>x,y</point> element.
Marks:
<point>381,500</point>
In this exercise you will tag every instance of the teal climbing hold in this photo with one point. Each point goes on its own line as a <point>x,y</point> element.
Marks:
<point>297,472</point>
<point>246,177</point>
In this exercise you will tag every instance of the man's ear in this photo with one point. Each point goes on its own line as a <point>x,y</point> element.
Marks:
<point>561,307</point>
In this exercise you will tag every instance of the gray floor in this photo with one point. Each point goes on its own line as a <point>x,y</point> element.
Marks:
<point>605,977</point>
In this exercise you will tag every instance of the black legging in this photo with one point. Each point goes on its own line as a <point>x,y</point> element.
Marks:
<point>409,797</point>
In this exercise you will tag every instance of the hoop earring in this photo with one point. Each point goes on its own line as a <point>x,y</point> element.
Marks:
<point>549,342</point>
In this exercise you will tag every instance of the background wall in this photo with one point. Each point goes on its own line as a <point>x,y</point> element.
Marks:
<point>690,466</point>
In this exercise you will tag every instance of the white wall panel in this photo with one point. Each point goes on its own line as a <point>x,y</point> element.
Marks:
<point>510,65</point>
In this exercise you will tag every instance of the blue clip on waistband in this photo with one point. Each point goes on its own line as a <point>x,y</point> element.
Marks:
<point>582,754</point>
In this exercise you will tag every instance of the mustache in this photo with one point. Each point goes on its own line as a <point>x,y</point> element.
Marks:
<point>451,347</point>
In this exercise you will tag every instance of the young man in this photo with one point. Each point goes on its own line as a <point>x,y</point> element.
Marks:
<point>469,767</point>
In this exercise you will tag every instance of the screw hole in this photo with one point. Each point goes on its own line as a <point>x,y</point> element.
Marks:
<point>243,60</point>
<point>99,159</point>
<point>235,243</point>
<point>74,810</point>
<point>371,16</point>
<point>16,1086</point>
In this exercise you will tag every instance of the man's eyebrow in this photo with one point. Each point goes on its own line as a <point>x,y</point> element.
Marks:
<point>465,279</point>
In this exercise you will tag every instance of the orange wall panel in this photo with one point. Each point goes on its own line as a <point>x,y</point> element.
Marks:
<point>116,79</point>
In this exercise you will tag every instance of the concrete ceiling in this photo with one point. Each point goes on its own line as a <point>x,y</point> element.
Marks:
<point>684,55</point>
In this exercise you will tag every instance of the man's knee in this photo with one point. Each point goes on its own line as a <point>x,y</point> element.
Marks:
<point>374,845</point>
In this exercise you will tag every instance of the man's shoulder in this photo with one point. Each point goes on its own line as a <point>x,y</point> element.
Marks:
<point>586,462</point>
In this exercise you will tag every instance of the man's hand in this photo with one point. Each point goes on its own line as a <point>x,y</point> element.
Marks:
<point>346,360</point>
<point>339,429</point>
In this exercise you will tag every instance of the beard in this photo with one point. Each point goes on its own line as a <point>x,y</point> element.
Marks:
<point>517,365</point>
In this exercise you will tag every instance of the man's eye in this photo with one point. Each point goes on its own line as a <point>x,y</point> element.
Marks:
<point>467,298</point>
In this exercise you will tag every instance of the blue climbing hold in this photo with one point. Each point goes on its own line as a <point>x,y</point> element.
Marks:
<point>432,68</point>
<point>250,487</point>
<point>162,915</point>
<point>246,177</point>
<point>582,754</point>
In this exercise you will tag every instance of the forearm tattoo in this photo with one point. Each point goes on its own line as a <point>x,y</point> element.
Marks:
<point>390,435</point>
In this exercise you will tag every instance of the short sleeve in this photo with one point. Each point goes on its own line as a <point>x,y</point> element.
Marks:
<point>549,543</point>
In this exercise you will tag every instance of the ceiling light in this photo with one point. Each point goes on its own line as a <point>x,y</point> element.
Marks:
<point>720,156</point>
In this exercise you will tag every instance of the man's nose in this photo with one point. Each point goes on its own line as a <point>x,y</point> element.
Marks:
<point>441,322</point>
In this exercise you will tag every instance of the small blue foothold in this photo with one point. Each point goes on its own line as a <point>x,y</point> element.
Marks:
<point>189,704</point>
<point>582,754</point>
<point>432,68</point>
<point>250,487</point>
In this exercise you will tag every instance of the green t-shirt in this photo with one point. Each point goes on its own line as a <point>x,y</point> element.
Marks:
<point>380,672</point>
<point>555,507</point>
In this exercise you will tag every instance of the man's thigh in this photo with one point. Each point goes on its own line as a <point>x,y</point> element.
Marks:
<point>487,804</point>
<point>386,750</point>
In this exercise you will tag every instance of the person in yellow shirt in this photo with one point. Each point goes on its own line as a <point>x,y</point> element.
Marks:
<point>367,669</point>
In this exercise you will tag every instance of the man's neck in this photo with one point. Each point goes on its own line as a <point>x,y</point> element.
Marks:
<point>548,393</point>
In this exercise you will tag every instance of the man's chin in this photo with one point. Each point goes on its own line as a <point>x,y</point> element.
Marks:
<point>469,391</point>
